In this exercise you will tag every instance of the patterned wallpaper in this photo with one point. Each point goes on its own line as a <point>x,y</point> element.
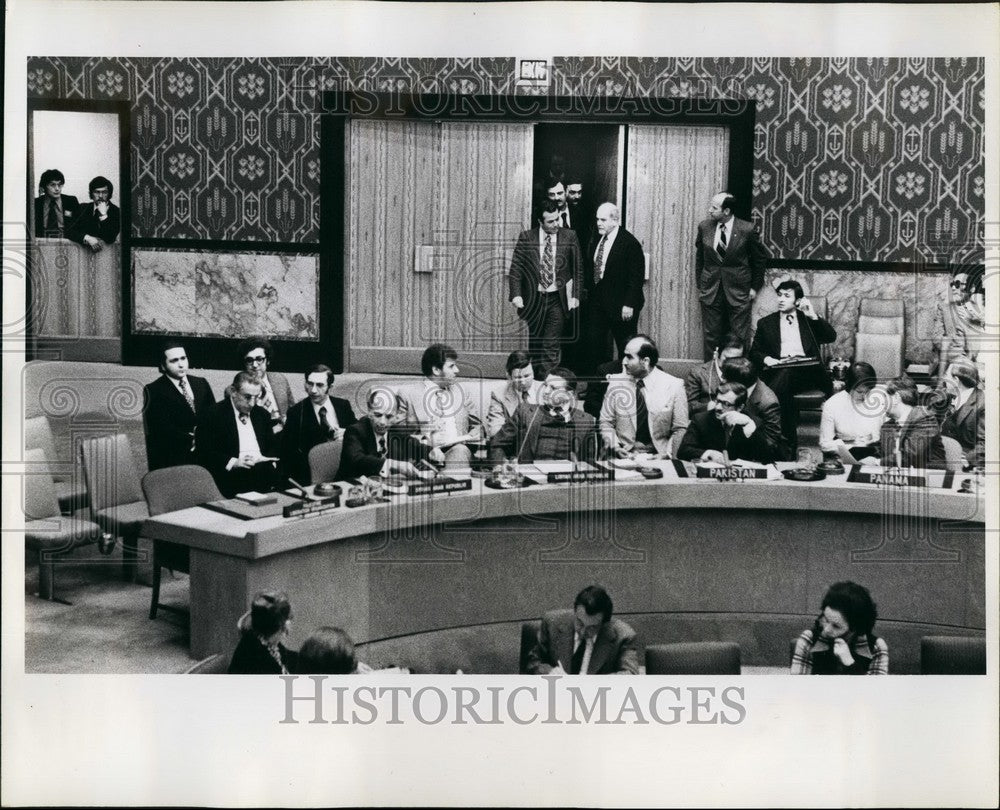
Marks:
<point>868,159</point>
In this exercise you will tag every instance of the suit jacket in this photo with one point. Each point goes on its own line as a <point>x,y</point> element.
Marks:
<point>526,269</point>
<point>582,223</point>
<point>360,454</point>
<point>283,394</point>
<point>615,648</point>
<point>503,405</point>
<point>302,433</point>
<point>520,434</point>
<point>919,441</point>
<point>219,441</point>
<point>252,658</point>
<point>738,273</point>
<point>422,407</point>
<point>767,340</point>
<point>170,424</point>
<point>71,210</point>
<point>967,425</point>
<point>764,407</point>
<point>89,224</point>
<point>624,275</point>
<point>701,384</point>
<point>666,404</point>
<point>707,433</point>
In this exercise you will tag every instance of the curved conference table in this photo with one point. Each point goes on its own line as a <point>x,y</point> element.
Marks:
<point>684,545</point>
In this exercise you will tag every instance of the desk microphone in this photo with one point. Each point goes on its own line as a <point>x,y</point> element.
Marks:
<point>302,489</point>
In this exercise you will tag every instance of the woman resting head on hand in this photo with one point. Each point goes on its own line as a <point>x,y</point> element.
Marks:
<point>842,641</point>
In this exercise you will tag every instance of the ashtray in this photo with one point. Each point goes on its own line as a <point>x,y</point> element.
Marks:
<point>832,467</point>
<point>395,482</point>
<point>494,482</point>
<point>650,472</point>
<point>325,488</point>
<point>800,474</point>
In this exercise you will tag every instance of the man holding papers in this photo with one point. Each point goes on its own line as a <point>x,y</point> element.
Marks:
<point>726,432</point>
<point>372,447</point>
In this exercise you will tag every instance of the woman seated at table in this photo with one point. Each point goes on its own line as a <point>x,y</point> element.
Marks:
<point>841,641</point>
<point>264,626</point>
<point>329,651</point>
<point>852,419</point>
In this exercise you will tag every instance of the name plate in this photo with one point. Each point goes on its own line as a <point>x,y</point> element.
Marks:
<point>311,507</point>
<point>432,487</point>
<point>732,473</point>
<point>580,476</point>
<point>888,478</point>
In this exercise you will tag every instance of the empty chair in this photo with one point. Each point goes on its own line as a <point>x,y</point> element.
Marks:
<point>324,461</point>
<point>69,485</point>
<point>116,500</point>
<point>952,655</point>
<point>693,658</point>
<point>879,337</point>
<point>529,637</point>
<point>46,531</point>
<point>168,490</point>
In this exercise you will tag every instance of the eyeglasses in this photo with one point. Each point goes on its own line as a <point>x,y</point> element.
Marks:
<point>721,404</point>
<point>957,285</point>
<point>255,359</point>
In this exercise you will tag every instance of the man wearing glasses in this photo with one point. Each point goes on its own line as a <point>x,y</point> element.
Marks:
<point>726,432</point>
<point>275,392</point>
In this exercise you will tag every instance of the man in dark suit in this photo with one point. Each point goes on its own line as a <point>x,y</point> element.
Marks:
<point>552,429</point>
<point>729,269</point>
<point>762,404</point>
<point>792,334</point>
<point>174,404</point>
<point>55,212</point>
<point>703,381</point>
<point>615,297</point>
<point>911,436</point>
<point>99,221</point>
<point>585,640</point>
<point>236,443</point>
<point>317,418</point>
<point>580,216</point>
<point>726,431</point>
<point>544,284</point>
<point>373,447</point>
<point>966,422</point>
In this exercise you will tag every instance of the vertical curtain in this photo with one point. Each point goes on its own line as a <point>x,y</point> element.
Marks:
<point>672,173</point>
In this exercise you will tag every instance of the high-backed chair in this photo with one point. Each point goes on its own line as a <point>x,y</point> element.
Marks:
<point>693,658</point>
<point>529,637</point>
<point>116,500</point>
<point>216,664</point>
<point>952,655</point>
<point>168,490</point>
<point>324,461</point>
<point>69,487</point>
<point>880,335</point>
<point>952,454</point>
<point>47,532</point>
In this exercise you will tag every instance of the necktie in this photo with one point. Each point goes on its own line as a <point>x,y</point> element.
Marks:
<point>186,392</point>
<point>599,259</point>
<point>641,414</point>
<point>577,661</point>
<point>51,217</point>
<point>790,318</point>
<point>565,219</point>
<point>548,263</point>
<point>324,423</point>
<point>721,249</point>
<point>243,418</point>
<point>381,446</point>
<point>267,403</point>
<point>524,396</point>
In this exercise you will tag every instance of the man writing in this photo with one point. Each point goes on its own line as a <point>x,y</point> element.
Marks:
<point>372,447</point>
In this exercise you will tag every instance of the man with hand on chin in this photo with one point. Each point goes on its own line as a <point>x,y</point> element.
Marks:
<point>99,222</point>
<point>726,432</point>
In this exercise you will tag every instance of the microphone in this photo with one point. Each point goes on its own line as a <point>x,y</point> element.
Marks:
<point>527,430</point>
<point>302,489</point>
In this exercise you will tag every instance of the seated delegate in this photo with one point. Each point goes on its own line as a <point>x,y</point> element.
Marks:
<point>910,436</point>
<point>373,447</point>
<point>329,651</point>
<point>852,419</point>
<point>726,432</point>
<point>260,650</point>
<point>841,641</point>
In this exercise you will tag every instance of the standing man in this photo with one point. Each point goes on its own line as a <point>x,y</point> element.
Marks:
<point>317,418</point>
<point>521,387</point>
<point>55,212</point>
<point>581,217</point>
<point>729,269</point>
<point>703,381</point>
<point>275,392</point>
<point>966,420</point>
<point>236,443</point>
<point>647,412</point>
<point>100,220</point>
<point>556,192</point>
<point>910,436</point>
<point>174,404</point>
<point>544,284</point>
<point>616,297</point>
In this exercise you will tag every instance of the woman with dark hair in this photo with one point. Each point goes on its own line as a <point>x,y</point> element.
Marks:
<point>851,421</point>
<point>263,627</point>
<point>841,641</point>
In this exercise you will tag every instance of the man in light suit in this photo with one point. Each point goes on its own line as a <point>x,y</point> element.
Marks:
<point>703,381</point>
<point>729,265</point>
<point>99,221</point>
<point>645,411</point>
<point>55,212</point>
<point>256,354</point>
<point>544,284</point>
<point>236,443</point>
<point>911,436</point>
<point>966,423</point>
<point>174,404</point>
<point>317,418</point>
<point>615,297</point>
<point>521,387</point>
<point>585,640</point>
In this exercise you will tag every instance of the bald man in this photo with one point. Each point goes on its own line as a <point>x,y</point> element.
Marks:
<point>729,264</point>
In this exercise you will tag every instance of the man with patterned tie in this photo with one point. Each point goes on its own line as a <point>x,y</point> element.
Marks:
<point>646,409</point>
<point>729,263</point>
<point>317,418</point>
<point>521,387</point>
<point>236,443</point>
<point>372,445</point>
<point>256,354</point>
<point>585,640</point>
<point>544,284</point>
<point>173,406</point>
<point>55,212</point>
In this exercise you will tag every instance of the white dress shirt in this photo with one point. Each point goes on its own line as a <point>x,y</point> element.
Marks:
<point>791,339</point>
<point>331,416</point>
<point>609,240</point>
<point>728,228</point>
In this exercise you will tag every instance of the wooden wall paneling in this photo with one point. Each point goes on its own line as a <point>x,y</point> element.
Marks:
<point>673,171</point>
